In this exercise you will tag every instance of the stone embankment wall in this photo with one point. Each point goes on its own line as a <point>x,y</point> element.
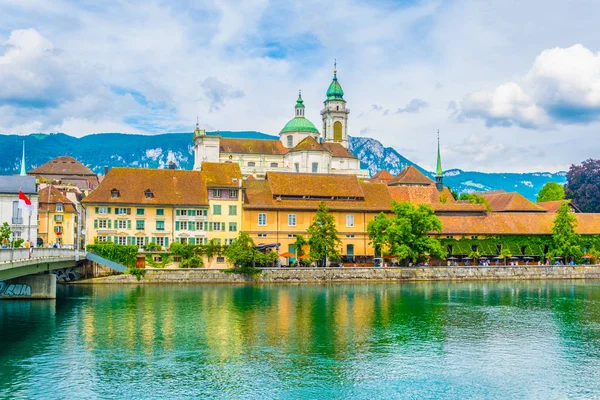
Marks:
<point>321,275</point>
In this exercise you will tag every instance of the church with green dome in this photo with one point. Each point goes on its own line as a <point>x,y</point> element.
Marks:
<point>301,147</point>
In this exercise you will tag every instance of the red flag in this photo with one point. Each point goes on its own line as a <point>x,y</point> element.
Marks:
<point>24,202</point>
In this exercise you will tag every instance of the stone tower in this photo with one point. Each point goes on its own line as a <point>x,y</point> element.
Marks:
<point>206,148</point>
<point>335,114</point>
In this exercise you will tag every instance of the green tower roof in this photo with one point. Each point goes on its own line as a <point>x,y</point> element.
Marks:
<point>335,92</point>
<point>299,124</point>
<point>439,171</point>
<point>299,102</point>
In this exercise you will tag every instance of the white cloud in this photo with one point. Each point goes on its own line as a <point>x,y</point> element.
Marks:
<point>564,87</point>
<point>506,105</point>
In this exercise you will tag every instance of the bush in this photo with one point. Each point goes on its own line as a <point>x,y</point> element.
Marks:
<point>137,272</point>
<point>121,254</point>
<point>152,247</point>
<point>192,262</point>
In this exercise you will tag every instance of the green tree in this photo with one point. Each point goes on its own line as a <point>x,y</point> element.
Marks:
<point>323,236</point>
<point>299,245</point>
<point>472,198</point>
<point>550,192</point>
<point>566,240</point>
<point>407,234</point>
<point>377,231</point>
<point>5,233</point>
<point>241,253</point>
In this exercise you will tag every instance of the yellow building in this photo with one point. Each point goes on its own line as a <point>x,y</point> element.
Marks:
<point>57,218</point>
<point>226,199</point>
<point>283,206</point>
<point>137,206</point>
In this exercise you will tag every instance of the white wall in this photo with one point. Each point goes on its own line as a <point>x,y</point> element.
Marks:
<point>6,214</point>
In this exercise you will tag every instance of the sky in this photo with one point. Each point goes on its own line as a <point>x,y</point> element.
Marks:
<point>512,85</point>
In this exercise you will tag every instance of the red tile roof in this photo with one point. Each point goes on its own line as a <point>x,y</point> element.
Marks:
<point>168,186</point>
<point>513,223</point>
<point>553,206</point>
<point>221,174</point>
<point>513,201</point>
<point>308,144</point>
<point>375,198</point>
<point>411,176</point>
<point>63,165</point>
<point>337,150</point>
<point>382,176</point>
<point>313,185</point>
<point>50,196</point>
<point>251,146</point>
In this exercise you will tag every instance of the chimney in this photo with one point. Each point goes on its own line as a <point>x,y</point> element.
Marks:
<point>105,170</point>
<point>171,165</point>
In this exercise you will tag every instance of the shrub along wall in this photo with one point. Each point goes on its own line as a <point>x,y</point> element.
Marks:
<point>538,245</point>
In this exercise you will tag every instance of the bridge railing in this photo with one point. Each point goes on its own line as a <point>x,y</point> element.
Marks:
<point>10,255</point>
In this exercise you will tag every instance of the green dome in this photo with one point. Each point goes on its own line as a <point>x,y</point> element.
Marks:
<point>335,91</point>
<point>299,124</point>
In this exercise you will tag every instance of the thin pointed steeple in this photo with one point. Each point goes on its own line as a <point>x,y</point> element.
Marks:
<point>23,170</point>
<point>439,173</point>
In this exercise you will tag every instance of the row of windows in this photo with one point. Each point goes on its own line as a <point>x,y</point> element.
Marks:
<point>218,193</point>
<point>262,220</point>
<point>205,226</point>
<point>142,211</point>
<point>217,210</point>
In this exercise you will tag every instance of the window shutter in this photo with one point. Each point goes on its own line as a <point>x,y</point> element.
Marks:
<point>96,210</point>
<point>116,224</point>
<point>223,226</point>
<point>116,239</point>
<point>192,226</point>
<point>128,224</point>
<point>210,226</point>
<point>153,240</point>
<point>176,225</point>
<point>109,224</point>
<point>177,212</point>
<point>108,239</point>
<point>205,224</point>
<point>116,210</point>
<point>167,242</point>
<point>108,210</point>
<point>95,224</point>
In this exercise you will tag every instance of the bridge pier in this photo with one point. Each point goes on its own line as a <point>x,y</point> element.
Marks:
<point>29,287</point>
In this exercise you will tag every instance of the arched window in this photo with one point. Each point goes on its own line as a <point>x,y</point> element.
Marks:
<point>337,108</point>
<point>290,141</point>
<point>337,131</point>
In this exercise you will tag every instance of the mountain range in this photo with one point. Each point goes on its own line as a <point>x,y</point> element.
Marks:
<point>156,151</point>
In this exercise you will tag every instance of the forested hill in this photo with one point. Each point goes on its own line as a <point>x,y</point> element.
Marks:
<point>156,151</point>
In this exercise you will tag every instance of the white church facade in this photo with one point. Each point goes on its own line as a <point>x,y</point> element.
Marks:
<point>300,148</point>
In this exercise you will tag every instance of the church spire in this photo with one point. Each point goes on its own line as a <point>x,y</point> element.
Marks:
<point>23,171</point>
<point>299,105</point>
<point>439,173</point>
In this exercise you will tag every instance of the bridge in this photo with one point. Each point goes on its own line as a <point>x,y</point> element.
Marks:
<point>20,270</point>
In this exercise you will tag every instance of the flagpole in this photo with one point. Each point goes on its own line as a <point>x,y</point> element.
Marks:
<point>29,229</point>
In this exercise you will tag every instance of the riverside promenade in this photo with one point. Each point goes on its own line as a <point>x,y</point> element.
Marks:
<point>323,275</point>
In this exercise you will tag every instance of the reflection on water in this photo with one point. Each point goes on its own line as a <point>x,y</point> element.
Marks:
<point>493,340</point>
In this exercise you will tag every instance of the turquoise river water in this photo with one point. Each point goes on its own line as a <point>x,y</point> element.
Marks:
<point>510,340</point>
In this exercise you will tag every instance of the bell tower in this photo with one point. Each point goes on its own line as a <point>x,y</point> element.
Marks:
<point>335,113</point>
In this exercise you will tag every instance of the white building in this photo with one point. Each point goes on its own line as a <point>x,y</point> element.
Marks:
<point>300,148</point>
<point>22,223</point>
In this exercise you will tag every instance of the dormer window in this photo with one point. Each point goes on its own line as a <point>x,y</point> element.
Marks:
<point>59,207</point>
<point>114,193</point>
<point>148,194</point>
